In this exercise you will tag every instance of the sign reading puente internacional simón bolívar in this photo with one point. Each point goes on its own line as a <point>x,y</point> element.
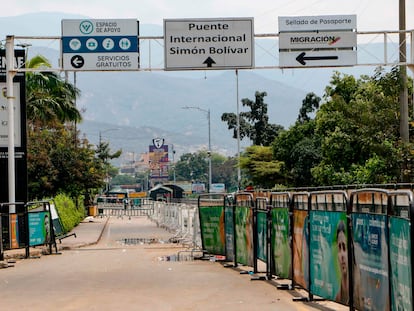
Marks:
<point>226,43</point>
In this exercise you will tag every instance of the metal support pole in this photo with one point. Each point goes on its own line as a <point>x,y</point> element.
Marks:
<point>209,152</point>
<point>11,72</point>
<point>404,130</point>
<point>238,132</point>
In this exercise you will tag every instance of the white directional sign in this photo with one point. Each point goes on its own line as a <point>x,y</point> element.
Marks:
<point>225,43</point>
<point>100,45</point>
<point>317,41</point>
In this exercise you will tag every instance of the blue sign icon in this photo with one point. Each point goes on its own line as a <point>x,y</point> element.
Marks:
<point>99,44</point>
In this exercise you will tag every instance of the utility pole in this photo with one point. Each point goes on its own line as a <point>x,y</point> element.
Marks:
<point>209,142</point>
<point>238,132</point>
<point>404,130</point>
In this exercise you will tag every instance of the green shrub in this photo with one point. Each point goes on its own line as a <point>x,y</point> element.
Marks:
<point>69,214</point>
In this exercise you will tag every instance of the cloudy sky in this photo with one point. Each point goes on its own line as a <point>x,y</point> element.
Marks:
<point>378,15</point>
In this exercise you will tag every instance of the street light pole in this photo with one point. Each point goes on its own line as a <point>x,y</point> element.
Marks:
<point>209,143</point>
<point>173,159</point>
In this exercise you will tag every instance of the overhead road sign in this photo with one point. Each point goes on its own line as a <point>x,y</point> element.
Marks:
<point>324,22</point>
<point>224,43</point>
<point>100,44</point>
<point>317,41</point>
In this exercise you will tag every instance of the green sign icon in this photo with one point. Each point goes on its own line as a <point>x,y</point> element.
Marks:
<point>86,27</point>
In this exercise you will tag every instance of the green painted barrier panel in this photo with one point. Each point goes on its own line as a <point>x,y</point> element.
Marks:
<point>261,235</point>
<point>212,229</point>
<point>244,235</point>
<point>281,250</point>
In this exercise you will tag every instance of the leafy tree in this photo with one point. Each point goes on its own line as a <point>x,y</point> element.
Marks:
<point>359,123</point>
<point>254,124</point>
<point>224,171</point>
<point>49,98</point>
<point>58,161</point>
<point>260,167</point>
<point>103,152</point>
<point>192,167</point>
<point>309,105</point>
<point>299,149</point>
<point>58,165</point>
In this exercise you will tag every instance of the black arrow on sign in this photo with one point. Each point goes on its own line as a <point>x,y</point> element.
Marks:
<point>77,61</point>
<point>209,61</point>
<point>301,58</point>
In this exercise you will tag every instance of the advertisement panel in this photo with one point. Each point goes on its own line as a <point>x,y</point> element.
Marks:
<point>244,235</point>
<point>39,228</point>
<point>300,245</point>
<point>158,159</point>
<point>229,232</point>
<point>370,262</point>
<point>261,235</point>
<point>13,231</point>
<point>329,255</point>
<point>400,264</point>
<point>212,229</point>
<point>281,250</point>
<point>19,116</point>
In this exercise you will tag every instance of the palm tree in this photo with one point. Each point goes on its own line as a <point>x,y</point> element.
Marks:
<point>49,98</point>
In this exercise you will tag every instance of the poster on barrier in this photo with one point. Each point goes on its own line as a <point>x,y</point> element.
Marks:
<point>370,262</point>
<point>261,235</point>
<point>400,264</point>
<point>329,255</point>
<point>229,232</point>
<point>212,229</point>
<point>39,228</point>
<point>280,243</point>
<point>300,245</point>
<point>14,231</point>
<point>244,235</point>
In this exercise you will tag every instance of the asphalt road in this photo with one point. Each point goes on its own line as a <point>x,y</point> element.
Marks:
<point>114,275</point>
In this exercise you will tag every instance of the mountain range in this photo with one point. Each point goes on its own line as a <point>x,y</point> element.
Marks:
<point>129,109</point>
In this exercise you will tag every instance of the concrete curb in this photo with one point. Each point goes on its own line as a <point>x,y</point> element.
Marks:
<point>36,252</point>
<point>79,245</point>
